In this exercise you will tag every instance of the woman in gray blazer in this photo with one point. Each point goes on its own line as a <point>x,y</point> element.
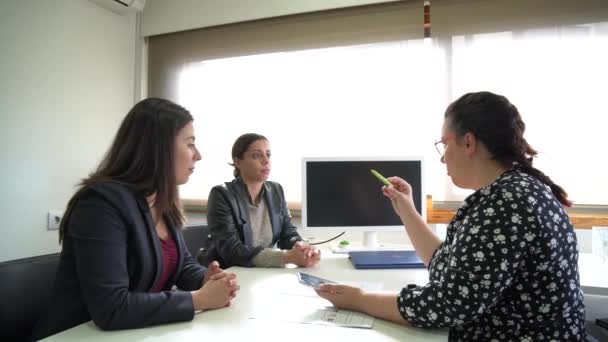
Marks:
<point>122,247</point>
<point>248,217</point>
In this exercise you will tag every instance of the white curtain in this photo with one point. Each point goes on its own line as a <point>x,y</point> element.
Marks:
<point>558,79</point>
<point>388,99</point>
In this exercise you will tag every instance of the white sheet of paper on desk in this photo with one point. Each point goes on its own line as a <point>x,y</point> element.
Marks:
<point>311,310</point>
<point>322,316</point>
<point>341,318</point>
<point>301,304</point>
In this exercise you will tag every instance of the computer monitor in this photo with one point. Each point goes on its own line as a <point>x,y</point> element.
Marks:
<point>341,194</point>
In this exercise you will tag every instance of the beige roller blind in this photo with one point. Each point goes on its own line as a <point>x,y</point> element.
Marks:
<point>360,25</point>
<point>458,17</point>
<point>385,22</point>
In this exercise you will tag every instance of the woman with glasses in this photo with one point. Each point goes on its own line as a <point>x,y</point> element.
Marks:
<point>248,216</point>
<point>508,268</point>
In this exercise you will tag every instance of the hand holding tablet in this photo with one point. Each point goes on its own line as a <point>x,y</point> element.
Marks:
<point>312,281</point>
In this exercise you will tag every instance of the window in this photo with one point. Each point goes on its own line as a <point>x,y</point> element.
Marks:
<point>388,99</point>
<point>557,79</point>
<point>366,100</point>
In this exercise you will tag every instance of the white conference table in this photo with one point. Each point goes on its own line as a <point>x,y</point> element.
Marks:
<point>267,301</point>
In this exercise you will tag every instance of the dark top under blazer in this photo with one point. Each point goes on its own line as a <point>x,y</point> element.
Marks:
<point>230,226</point>
<point>110,260</point>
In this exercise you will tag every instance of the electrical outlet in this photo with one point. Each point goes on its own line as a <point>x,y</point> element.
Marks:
<point>53,219</point>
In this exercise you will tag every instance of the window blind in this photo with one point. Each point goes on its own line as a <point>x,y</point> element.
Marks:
<point>359,25</point>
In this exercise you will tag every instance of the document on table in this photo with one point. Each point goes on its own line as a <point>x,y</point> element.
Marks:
<point>300,304</point>
<point>340,318</point>
<point>321,316</point>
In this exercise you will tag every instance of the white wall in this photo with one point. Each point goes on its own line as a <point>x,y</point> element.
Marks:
<point>67,79</point>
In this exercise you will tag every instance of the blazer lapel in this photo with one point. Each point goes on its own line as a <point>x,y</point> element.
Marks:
<point>148,224</point>
<point>271,202</point>
<point>144,241</point>
<point>242,202</point>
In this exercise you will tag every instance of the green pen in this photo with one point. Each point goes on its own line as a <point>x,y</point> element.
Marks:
<point>380,177</point>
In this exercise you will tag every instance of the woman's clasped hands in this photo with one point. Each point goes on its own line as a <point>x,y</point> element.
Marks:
<point>303,255</point>
<point>218,290</point>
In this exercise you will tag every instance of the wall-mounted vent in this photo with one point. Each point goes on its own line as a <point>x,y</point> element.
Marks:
<point>121,6</point>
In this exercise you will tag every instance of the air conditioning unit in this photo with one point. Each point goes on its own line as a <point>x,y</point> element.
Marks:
<point>121,6</point>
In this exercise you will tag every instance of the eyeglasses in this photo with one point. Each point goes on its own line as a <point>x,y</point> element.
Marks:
<point>441,144</point>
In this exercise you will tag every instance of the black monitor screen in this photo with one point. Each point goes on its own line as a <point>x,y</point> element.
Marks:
<point>344,193</point>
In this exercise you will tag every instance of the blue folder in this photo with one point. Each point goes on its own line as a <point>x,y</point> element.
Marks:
<point>385,259</point>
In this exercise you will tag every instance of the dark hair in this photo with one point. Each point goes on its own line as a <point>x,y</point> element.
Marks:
<point>498,125</point>
<point>241,145</point>
<point>141,157</point>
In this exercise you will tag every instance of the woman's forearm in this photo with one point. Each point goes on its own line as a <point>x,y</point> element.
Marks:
<point>425,241</point>
<point>381,305</point>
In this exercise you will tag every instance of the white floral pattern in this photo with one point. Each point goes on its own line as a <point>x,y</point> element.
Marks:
<point>507,271</point>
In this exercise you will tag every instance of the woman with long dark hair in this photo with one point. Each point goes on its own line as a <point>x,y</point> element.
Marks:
<point>122,248</point>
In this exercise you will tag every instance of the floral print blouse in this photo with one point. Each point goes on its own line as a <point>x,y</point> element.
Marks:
<point>507,270</point>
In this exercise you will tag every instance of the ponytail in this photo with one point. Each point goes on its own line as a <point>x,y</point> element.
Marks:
<point>525,164</point>
<point>236,172</point>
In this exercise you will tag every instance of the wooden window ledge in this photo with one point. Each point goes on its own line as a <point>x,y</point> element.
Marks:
<point>580,220</point>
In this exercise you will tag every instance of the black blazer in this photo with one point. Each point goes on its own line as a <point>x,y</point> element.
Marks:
<point>110,260</point>
<point>230,228</point>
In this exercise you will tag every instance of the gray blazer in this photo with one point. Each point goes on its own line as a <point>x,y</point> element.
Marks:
<point>110,260</point>
<point>230,227</point>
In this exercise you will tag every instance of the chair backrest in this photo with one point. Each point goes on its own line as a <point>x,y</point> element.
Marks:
<point>596,306</point>
<point>197,239</point>
<point>25,288</point>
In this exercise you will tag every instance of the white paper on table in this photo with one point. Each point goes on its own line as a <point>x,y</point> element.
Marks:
<point>301,304</point>
<point>328,315</point>
<point>341,318</point>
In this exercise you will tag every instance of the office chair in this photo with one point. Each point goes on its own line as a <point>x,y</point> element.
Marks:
<point>25,290</point>
<point>199,242</point>
<point>596,311</point>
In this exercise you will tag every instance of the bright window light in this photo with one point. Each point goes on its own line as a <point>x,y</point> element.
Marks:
<point>557,79</point>
<point>372,100</point>
<point>388,99</point>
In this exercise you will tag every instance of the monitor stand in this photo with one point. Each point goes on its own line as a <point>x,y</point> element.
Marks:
<point>370,243</point>
<point>370,240</point>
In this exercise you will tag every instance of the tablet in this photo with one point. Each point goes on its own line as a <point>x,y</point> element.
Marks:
<point>312,281</point>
